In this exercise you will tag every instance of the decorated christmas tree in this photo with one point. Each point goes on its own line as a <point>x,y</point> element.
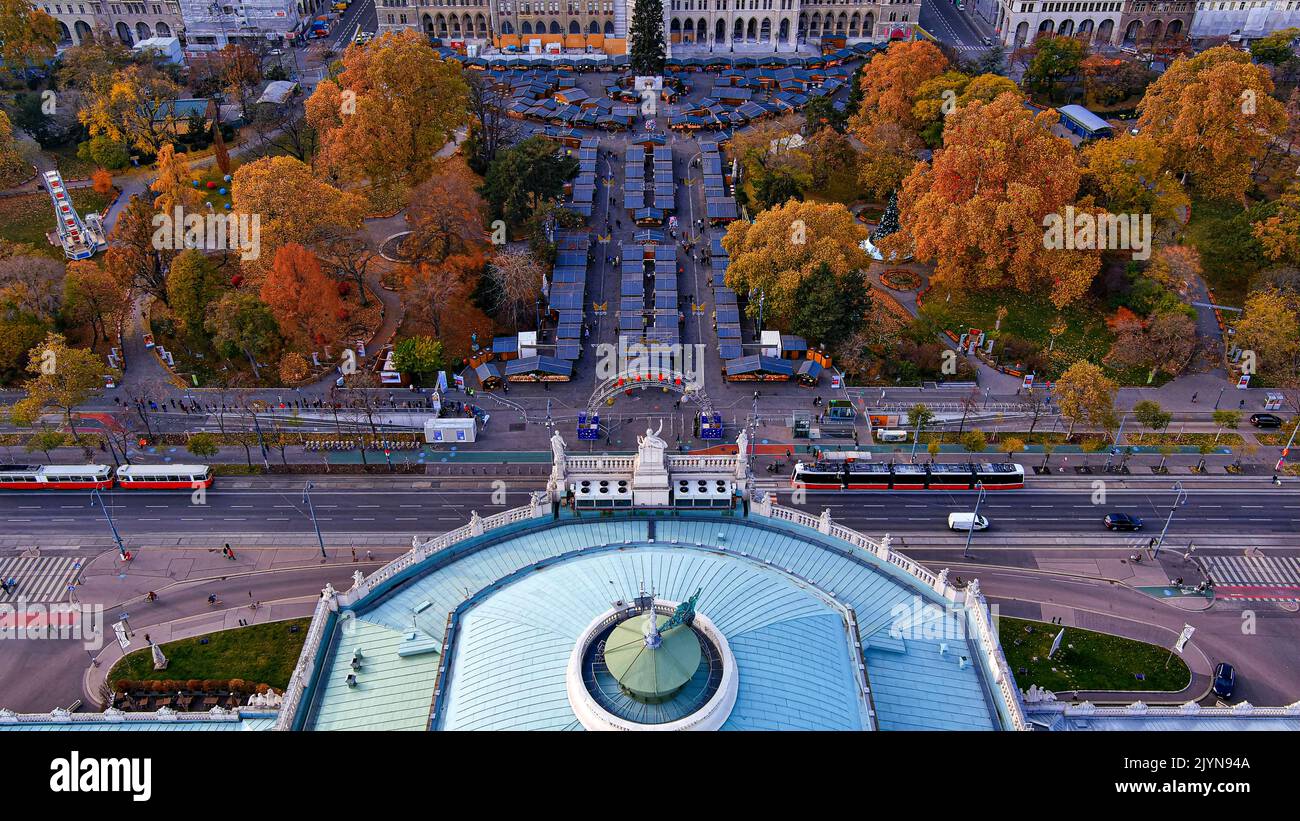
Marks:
<point>888,220</point>
<point>647,36</point>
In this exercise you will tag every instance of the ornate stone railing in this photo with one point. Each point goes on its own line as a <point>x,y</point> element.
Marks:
<point>1087,709</point>
<point>306,667</point>
<point>977,610</point>
<point>604,464</point>
<point>113,716</point>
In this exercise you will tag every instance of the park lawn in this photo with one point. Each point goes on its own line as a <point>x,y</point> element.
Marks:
<point>1087,660</point>
<point>212,173</point>
<point>1227,275</point>
<point>70,165</point>
<point>28,218</point>
<point>260,654</point>
<point>1030,317</point>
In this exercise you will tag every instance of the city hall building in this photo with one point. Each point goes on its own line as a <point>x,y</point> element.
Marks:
<point>690,25</point>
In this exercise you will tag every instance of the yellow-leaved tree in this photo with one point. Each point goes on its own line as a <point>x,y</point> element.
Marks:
<point>785,244</point>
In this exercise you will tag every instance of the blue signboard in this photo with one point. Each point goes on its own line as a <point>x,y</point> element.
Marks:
<point>710,426</point>
<point>589,426</point>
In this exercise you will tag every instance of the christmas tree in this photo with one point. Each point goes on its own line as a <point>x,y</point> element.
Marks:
<point>647,38</point>
<point>888,220</point>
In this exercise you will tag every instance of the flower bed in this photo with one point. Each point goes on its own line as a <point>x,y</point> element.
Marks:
<point>900,279</point>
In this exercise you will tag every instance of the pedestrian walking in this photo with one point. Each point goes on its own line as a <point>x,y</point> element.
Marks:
<point>1193,398</point>
<point>354,554</point>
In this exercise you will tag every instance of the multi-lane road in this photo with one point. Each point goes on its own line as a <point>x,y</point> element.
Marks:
<point>274,505</point>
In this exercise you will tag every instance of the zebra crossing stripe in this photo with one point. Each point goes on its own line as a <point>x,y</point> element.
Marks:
<point>1261,578</point>
<point>40,579</point>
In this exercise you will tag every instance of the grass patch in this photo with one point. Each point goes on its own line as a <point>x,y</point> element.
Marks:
<point>1226,263</point>
<point>71,166</point>
<point>29,218</point>
<point>260,653</point>
<point>1087,660</point>
<point>1196,439</point>
<point>1028,317</point>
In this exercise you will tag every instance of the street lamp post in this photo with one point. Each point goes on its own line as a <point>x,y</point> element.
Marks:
<point>916,438</point>
<point>975,517</point>
<point>1180,499</point>
<point>95,495</point>
<point>306,497</point>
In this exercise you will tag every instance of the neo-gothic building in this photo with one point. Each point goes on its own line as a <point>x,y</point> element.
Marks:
<point>689,24</point>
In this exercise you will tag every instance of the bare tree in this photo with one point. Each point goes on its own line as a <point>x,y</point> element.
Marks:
<point>515,278</point>
<point>493,130</point>
<point>346,254</point>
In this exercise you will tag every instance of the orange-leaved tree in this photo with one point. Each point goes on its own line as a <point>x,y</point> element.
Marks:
<point>304,302</point>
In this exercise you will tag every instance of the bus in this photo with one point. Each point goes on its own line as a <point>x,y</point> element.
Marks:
<point>837,474</point>
<point>55,477</point>
<point>164,477</point>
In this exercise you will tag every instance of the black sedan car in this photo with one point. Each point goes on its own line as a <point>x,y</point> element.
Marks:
<point>1225,680</point>
<point>1122,521</point>
<point>1265,420</point>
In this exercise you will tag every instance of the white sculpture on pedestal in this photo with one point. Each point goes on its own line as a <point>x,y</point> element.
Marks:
<point>650,470</point>
<point>742,454</point>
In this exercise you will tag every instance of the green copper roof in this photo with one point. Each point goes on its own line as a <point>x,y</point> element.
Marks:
<point>652,674</point>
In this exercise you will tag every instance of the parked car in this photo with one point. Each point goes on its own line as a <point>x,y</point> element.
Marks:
<point>1122,521</point>
<point>1225,680</point>
<point>1265,420</point>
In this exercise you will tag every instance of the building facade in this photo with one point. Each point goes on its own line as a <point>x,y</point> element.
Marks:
<point>1137,22</point>
<point>128,22</point>
<point>1243,19</point>
<point>211,26</point>
<point>780,25</point>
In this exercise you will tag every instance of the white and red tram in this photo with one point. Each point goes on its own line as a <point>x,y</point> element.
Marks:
<point>164,477</point>
<point>55,477</point>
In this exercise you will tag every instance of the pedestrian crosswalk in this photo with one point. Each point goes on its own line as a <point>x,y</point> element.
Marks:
<point>40,578</point>
<point>1261,578</point>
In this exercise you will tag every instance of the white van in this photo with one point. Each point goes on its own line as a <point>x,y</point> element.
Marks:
<point>967,521</point>
<point>890,435</point>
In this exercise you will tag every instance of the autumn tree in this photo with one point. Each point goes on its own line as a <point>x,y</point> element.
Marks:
<point>421,357</point>
<point>1085,394</point>
<point>886,160</point>
<point>491,128</point>
<point>980,208</point>
<point>133,106</point>
<point>132,257</point>
<point>832,159</point>
<point>1165,342</point>
<point>515,279</point>
<point>1214,115</point>
<point>784,245</point>
<point>93,57</point>
<point>830,307</point>
<point>346,253</point>
<point>393,107</point>
<point>1176,267</point>
<point>445,215</point>
<point>1130,176</point>
<point>1280,233</point>
<point>431,291</point>
<point>27,34</point>
<point>62,377</point>
<point>240,323</point>
<point>93,297</point>
<point>1056,59</point>
<point>1110,80</point>
<point>193,285</point>
<point>45,440</point>
<point>304,301</point>
<point>890,80</point>
<point>1149,414</point>
<point>173,186</point>
<point>292,205</point>
<point>102,182</point>
<point>13,168</point>
<point>32,283</point>
<point>1270,326</point>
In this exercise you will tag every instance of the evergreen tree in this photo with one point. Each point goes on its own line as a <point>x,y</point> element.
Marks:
<point>830,308</point>
<point>647,38</point>
<point>888,220</point>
